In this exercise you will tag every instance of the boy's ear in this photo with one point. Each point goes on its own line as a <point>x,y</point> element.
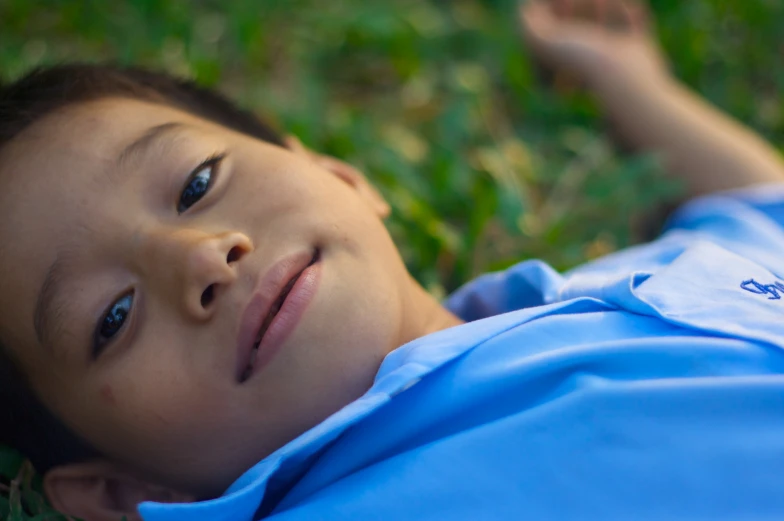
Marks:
<point>345,172</point>
<point>102,491</point>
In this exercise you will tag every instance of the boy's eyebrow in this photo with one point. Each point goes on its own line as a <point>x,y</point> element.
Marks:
<point>48,314</point>
<point>147,139</point>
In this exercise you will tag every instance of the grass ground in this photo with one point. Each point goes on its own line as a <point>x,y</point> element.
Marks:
<point>483,164</point>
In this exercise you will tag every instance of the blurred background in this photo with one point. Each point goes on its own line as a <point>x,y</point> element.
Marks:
<point>484,163</point>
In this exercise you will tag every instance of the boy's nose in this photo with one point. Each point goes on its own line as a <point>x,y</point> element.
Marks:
<point>195,266</point>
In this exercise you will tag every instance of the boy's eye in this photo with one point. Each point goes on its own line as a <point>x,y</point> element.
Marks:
<point>198,184</point>
<point>111,323</point>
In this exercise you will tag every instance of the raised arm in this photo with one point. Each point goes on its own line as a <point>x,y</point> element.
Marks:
<point>608,45</point>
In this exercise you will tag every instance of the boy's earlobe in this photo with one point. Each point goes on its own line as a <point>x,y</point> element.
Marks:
<point>102,491</point>
<point>347,173</point>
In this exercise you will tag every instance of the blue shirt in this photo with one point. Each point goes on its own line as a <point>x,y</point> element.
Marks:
<point>644,385</point>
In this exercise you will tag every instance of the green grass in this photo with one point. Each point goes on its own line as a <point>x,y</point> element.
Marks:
<point>483,164</point>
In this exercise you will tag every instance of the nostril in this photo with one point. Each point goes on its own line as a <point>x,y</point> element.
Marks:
<point>208,295</point>
<point>234,254</point>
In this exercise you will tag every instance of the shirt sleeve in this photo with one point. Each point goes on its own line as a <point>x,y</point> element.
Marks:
<point>748,222</point>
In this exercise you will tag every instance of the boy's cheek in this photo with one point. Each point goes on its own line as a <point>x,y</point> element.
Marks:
<point>159,433</point>
<point>106,393</point>
<point>143,409</point>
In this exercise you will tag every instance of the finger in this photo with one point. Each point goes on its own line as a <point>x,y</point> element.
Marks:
<point>536,18</point>
<point>601,12</point>
<point>532,14</point>
<point>563,8</point>
<point>636,16</point>
<point>618,16</point>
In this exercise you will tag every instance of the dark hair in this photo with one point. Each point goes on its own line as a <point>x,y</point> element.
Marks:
<point>25,423</point>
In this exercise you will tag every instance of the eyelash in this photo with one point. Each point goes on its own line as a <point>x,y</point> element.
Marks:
<point>100,340</point>
<point>211,164</point>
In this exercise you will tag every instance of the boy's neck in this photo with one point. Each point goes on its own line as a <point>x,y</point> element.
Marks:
<point>430,315</point>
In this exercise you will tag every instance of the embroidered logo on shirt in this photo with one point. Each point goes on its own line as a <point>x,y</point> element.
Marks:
<point>755,287</point>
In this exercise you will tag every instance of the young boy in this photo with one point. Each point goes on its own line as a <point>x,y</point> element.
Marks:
<point>203,318</point>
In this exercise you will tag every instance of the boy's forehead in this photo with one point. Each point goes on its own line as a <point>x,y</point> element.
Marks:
<point>94,125</point>
<point>68,149</point>
<point>79,145</point>
<point>49,170</point>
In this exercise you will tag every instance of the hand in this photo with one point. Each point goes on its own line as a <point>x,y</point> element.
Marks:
<point>591,39</point>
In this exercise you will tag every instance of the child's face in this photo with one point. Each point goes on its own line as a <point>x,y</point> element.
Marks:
<point>163,391</point>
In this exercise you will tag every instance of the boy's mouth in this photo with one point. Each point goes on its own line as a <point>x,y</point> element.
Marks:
<point>283,276</point>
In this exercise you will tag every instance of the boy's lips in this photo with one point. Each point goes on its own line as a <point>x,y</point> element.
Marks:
<point>272,291</point>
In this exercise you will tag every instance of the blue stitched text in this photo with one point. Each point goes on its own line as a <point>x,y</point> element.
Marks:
<point>755,287</point>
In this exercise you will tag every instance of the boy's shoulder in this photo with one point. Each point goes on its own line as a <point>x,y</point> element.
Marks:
<point>748,223</point>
